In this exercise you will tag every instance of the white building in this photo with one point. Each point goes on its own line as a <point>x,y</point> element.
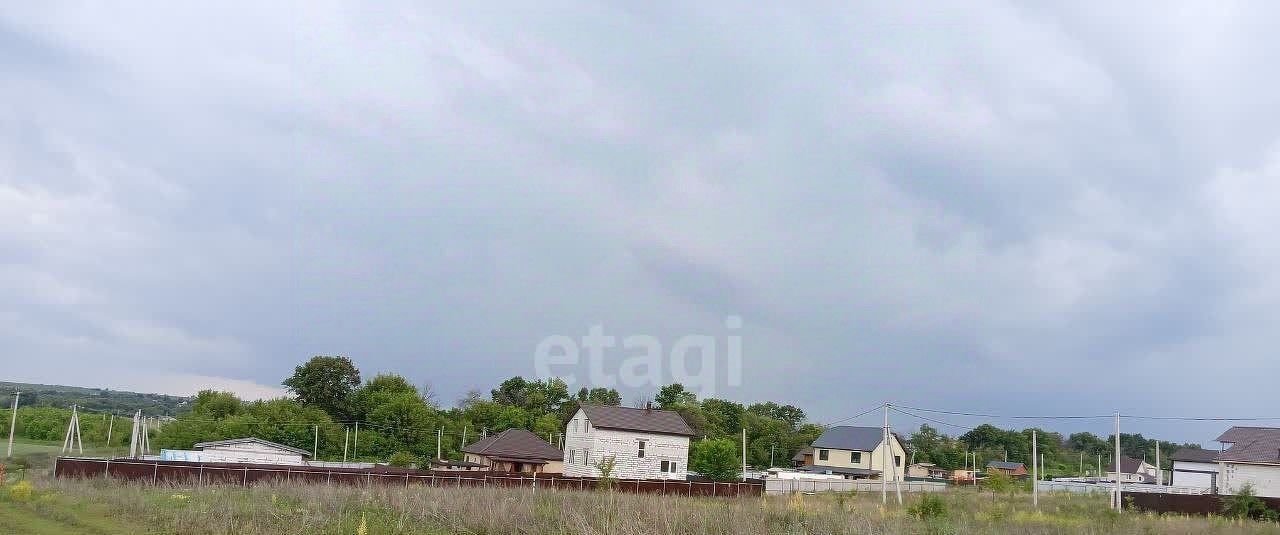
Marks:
<point>1132,471</point>
<point>239,450</point>
<point>855,452</point>
<point>1251,457</point>
<point>1194,467</point>
<point>643,443</point>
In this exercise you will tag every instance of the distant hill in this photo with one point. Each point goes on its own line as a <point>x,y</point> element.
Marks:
<point>100,399</point>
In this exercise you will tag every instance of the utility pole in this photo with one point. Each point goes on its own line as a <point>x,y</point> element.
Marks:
<point>744,454</point>
<point>1119,494</point>
<point>1082,464</point>
<point>355,442</point>
<point>110,425</point>
<point>13,423</point>
<point>1159,471</point>
<point>1098,476</point>
<point>464,435</point>
<point>439,437</point>
<point>1043,477</point>
<point>346,439</point>
<point>975,467</point>
<point>771,448</point>
<point>134,441</point>
<point>884,459</point>
<point>315,446</point>
<point>1035,475</point>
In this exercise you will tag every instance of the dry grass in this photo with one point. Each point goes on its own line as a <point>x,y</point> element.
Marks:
<point>322,509</point>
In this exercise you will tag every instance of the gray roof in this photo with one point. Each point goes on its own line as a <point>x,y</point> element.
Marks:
<point>1251,445</point>
<point>515,444</point>
<point>849,437</point>
<point>820,469</point>
<point>1128,465</point>
<point>1006,465</point>
<point>643,420</point>
<point>799,456</point>
<point>1194,455</point>
<point>255,440</point>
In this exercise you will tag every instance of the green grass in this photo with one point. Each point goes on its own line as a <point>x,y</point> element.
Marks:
<point>34,455</point>
<point>108,507</point>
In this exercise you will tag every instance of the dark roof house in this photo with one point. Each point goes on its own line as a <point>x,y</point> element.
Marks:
<point>1259,445</point>
<point>515,444</point>
<point>1194,455</point>
<point>1007,465</point>
<point>640,420</point>
<point>852,438</point>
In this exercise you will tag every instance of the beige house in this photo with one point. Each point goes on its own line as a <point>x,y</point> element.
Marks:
<point>515,450</point>
<point>857,453</point>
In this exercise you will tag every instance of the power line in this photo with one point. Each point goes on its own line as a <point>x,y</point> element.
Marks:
<point>854,417</point>
<point>927,419</point>
<point>1011,417</point>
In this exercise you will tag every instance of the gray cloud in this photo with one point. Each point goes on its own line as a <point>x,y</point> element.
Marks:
<point>995,207</point>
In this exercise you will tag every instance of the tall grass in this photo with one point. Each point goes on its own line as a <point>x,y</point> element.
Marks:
<point>383,510</point>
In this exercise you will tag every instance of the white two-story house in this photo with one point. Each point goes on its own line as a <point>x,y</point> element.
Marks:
<point>856,453</point>
<point>643,443</point>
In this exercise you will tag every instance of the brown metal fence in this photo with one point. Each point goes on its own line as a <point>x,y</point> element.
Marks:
<point>1191,504</point>
<point>199,474</point>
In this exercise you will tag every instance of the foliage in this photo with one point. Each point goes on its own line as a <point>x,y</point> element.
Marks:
<point>327,383</point>
<point>716,459</point>
<point>402,459</point>
<point>606,466</point>
<point>674,394</point>
<point>92,399</point>
<point>1245,504</point>
<point>20,491</point>
<point>998,482</point>
<point>930,506</point>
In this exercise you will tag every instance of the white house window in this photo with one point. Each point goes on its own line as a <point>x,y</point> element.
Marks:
<point>823,454</point>
<point>640,449</point>
<point>575,425</point>
<point>586,426</point>
<point>666,466</point>
<point>571,456</point>
<point>897,460</point>
<point>586,457</point>
<point>855,457</point>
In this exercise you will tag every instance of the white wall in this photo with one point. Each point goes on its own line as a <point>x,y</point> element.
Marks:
<point>231,456</point>
<point>580,437</point>
<point>1264,478</point>
<point>1189,474</point>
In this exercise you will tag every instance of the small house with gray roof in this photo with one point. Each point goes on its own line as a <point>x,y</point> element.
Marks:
<point>857,453</point>
<point>641,443</point>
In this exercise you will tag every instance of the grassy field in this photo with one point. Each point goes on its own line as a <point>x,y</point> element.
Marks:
<point>36,455</point>
<point>102,507</point>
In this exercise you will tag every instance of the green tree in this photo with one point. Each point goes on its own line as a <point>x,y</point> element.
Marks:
<point>674,394</point>
<point>379,390</point>
<point>327,383</point>
<point>716,459</point>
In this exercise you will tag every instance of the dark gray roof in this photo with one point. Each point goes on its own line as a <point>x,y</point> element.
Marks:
<point>643,420</point>
<point>1245,434</point>
<point>1194,455</point>
<point>820,469</point>
<point>849,437</point>
<point>799,456</point>
<point>515,444</point>
<point>1251,445</point>
<point>1006,465</point>
<point>1128,465</point>
<point>255,440</point>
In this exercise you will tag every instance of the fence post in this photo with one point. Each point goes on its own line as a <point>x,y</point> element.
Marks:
<point>155,470</point>
<point>106,472</point>
<point>664,487</point>
<point>245,482</point>
<point>328,475</point>
<point>200,476</point>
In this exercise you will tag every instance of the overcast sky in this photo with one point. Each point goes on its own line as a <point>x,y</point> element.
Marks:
<point>990,207</point>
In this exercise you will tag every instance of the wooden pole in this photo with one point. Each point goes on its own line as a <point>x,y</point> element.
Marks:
<point>315,446</point>
<point>744,454</point>
<point>439,439</point>
<point>1035,475</point>
<point>1119,493</point>
<point>1159,472</point>
<point>355,442</point>
<point>346,439</point>
<point>884,458</point>
<point>110,427</point>
<point>13,423</point>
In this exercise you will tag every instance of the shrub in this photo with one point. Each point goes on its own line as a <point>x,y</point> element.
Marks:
<point>402,459</point>
<point>20,491</point>
<point>1244,504</point>
<point>929,507</point>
